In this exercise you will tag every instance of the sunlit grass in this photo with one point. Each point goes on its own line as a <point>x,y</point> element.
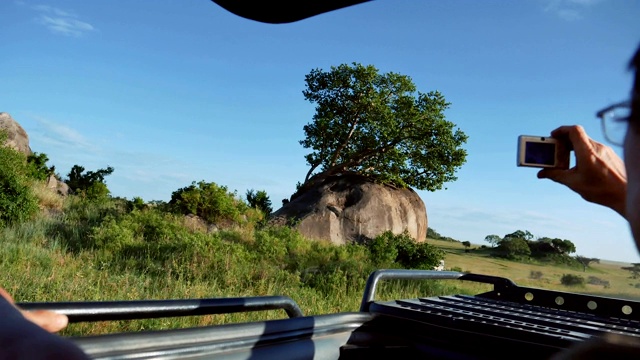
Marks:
<point>103,251</point>
<point>480,262</point>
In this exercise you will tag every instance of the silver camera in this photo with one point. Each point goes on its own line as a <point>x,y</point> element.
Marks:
<point>537,151</point>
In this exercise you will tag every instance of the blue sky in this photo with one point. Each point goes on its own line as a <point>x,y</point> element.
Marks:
<point>168,92</point>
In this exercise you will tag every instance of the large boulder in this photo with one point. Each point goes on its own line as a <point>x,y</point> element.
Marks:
<point>58,186</point>
<point>351,208</point>
<point>17,138</point>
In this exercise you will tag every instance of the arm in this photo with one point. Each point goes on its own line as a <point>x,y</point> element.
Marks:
<point>24,335</point>
<point>599,175</point>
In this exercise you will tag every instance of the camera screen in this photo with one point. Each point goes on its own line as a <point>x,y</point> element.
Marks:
<point>540,153</point>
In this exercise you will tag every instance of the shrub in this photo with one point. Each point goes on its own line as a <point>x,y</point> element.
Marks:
<point>410,253</point>
<point>136,204</point>
<point>593,280</point>
<point>382,251</point>
<point>343,271</point>
<point>96,191</point>
<point>17,202</point>
<point>536,275</point>
<point>515,248</point>
<point>37,166</point>
<point>572,280</point>
<point>211,202</point>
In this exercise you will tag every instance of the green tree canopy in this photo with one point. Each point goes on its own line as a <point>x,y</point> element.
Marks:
<point>515,247</point>
<point>520,234</point>
<point>78,180</point>
<point>563,246</point>
<point>586,261</point>
<point>380,126</point>
<point>212,202</point>
<point>494,240</point>
<point>259,200</point>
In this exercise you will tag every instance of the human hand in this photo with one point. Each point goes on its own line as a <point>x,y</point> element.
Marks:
<point>48,320</point>
<point>599,175</point>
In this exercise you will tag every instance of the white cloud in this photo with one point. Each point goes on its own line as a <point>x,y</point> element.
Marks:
<point>52,10</point>
<point>61,21</point>
<point>63,136</point>
<point>569,10</point>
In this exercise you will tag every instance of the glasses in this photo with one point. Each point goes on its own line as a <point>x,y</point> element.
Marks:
<point>615,120</point>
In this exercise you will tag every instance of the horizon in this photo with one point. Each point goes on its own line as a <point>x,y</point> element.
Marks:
<point>169,94</point>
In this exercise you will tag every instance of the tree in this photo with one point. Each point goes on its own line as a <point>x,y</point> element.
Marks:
<point>38,168</point>
<point>91,183</point>
<point>467,245</point>
<point>380,126</point>
<point>259,200</point>
<point>493,240</point>
<point>520,234</point>
<point>634,269</point>
<point>211,202</point>
<point>563,246</point>
<point>585,261</point>
<point>433,234</point>
<point>515,247</point>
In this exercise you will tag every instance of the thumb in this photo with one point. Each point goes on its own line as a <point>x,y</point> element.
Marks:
<point>557,175</point>
<point>48,320</point>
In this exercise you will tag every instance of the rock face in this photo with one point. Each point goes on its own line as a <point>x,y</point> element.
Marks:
<point>351,208</point>
<point>17,137</point>
<point>58,186</point>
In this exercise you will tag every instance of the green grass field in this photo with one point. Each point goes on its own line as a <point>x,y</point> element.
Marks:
<point>480,262</point>
<point>102,251</point>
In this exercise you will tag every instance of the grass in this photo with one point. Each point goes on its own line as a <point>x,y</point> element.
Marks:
<point>481,262</point>
<point>103,251</point>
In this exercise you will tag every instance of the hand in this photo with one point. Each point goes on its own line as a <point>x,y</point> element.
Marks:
<point>48,320</point>
<point>599,175</point>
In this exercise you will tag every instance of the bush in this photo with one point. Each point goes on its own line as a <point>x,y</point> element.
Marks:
<point>536,275</point>
<point>344,271</point>
<point>572,280</point>
<point>17,202</point>
<point>593,280</point>
<point>515,248</point>
<point>382,251</point>
<point>410,253</point>
<point>211,202</point>
<point>96,191</point>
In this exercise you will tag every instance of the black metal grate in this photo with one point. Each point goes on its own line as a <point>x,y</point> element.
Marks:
<point>542,321</point>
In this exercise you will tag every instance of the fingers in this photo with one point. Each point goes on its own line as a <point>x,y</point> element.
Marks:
<point>48,320</point>
<point>6,295</point>
<point>576,135</point>
<point>558,175</point>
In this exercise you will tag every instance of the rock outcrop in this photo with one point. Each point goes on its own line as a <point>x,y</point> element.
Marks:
<point>350,208</point>
<point>17,138</point>
<point>60,187</point>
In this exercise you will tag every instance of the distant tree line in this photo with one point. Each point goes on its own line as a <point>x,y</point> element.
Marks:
<point>522,244</point>
<point>433,234</point>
